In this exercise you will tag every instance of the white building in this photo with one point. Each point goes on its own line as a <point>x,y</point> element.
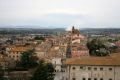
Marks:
<point>57,64</point>
<point>93,68</point>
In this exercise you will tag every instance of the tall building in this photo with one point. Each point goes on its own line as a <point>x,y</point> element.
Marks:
<point>76,47</point>
<point>68,51</point>
<point>75,31</point>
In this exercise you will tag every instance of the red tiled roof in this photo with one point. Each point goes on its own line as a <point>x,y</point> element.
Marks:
<point>104,61</point>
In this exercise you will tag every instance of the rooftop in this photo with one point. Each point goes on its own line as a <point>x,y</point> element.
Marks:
<point>103,61</point>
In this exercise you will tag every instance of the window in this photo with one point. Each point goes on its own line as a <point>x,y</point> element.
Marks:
<point>74,79</point>
<point>101,69</point>
<point>73,68</point>
<point>101,78</point>
<point>89,68</point>
<point>55,63</point>
<point>110,69</point>
<point>95,68</point>
<point>110,79</point>
<point>83,79</point>
<point>95,78</point>
<point>89,78</point>
<point>81,67</point>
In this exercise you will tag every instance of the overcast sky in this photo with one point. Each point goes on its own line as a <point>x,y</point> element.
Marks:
<point>60,13</point>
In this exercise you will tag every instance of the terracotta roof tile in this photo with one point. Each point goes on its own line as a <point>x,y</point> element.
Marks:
<point>94,61</point>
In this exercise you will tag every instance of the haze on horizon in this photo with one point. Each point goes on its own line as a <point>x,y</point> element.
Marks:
<point>60,13</point>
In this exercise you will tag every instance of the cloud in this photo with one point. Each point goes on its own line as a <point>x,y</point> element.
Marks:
<point>58,13</point>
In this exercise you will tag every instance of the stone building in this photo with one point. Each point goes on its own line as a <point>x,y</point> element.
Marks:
<point>79,50</point>
<point>6,62</point>
<point>57,64</point>
<point>15,52</point>
<point>76,47</point>
<point>19,75</point>
<point>93,68</point>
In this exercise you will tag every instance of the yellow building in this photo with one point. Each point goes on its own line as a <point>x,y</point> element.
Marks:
<point>15,52</point>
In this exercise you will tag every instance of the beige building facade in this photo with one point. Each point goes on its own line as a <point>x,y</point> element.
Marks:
<point>93,69</point>
<point>80,72</point>
<point>15,52</point>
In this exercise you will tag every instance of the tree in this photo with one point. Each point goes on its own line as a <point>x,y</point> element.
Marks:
<point>45,71</point>
<point>1,72</point>
<point>97,48</point>
<point>28,60</point>
<point>114,49</point>
<point>39,38</point>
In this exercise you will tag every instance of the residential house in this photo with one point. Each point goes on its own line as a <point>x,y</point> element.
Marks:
<point>16,51</point>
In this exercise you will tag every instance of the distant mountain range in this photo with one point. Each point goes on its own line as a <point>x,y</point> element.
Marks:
<point>30,31</point>
<point>57,30</point>
<point>100,30</point>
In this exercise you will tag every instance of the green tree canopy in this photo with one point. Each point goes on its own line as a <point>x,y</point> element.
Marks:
<point>97,48</point>
<point>45,71</point>
<point>28,60</point>
<point>1,72</point>
<point>39,38</point>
